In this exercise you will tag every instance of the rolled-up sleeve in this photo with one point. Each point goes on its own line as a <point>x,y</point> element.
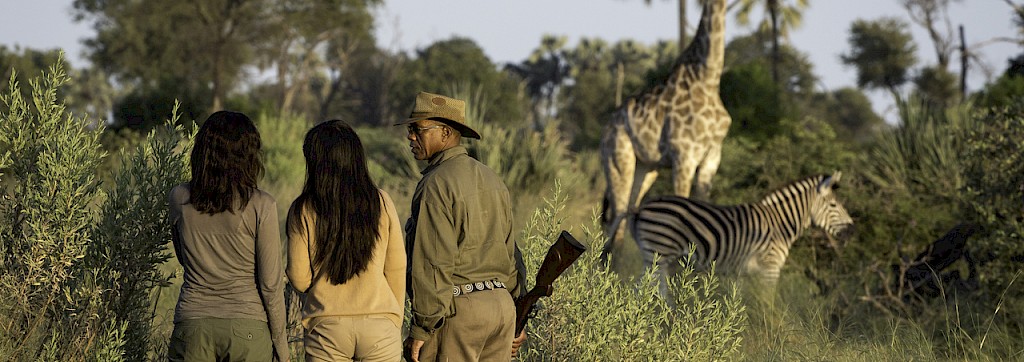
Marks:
<point>434,249</point>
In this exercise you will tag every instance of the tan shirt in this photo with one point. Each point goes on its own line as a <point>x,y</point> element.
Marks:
<point>232,261</point>
<point>380,289</point>
<point>460,232</point>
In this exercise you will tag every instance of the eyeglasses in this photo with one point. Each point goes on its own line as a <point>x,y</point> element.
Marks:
<point>416,130</point>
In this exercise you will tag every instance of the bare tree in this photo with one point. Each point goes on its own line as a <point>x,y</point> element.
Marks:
<point>933,15</point>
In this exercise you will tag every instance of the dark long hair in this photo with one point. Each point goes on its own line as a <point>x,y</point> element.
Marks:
<point>340,192</point>
<point>226,163</point>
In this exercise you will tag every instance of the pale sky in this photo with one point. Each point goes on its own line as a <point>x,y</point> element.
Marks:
<point>509,30</point>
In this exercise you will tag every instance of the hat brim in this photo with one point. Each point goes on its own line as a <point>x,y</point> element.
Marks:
<point>464,130</point>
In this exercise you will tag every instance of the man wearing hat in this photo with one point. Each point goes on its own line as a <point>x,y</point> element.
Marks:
<point>462,257</point>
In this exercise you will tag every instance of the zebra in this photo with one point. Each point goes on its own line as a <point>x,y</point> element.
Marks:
<point>748,239</point>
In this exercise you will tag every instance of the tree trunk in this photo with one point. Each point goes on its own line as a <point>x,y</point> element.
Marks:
<point>284,104</point>
<point>773,11</point>
<point>963,65</point>
<point>682,24</point>
<point>216,103</point>
<point>328,98</point>
<point>620,77</point>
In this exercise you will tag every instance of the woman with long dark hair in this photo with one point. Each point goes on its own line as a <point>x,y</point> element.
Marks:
<point>346,251</point>
<point>226,236</point>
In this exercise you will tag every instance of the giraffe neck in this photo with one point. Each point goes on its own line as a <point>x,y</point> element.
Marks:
<point>707,49</point>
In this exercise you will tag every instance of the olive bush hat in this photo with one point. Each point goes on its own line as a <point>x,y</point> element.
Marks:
<point>451,111</point>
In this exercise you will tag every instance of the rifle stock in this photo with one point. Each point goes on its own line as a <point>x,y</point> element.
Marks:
<point>560,256</point>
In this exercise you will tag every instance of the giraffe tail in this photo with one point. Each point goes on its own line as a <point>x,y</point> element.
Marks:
<point>605,201</point>
<point>606,223</point>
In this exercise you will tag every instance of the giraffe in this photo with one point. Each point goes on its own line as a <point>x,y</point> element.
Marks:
<point>679,124</point>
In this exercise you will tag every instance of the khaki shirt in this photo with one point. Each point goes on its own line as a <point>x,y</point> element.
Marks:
<point>378,290</point>
<point>460,232</point>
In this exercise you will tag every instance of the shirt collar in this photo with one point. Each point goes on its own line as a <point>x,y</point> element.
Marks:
<point>444,156</point>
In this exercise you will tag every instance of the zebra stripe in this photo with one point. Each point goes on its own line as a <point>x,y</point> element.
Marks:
<point>752,239</point>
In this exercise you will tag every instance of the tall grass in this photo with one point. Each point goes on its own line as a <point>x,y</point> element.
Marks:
<point>527,160</point>
<point>924,152</point>
<point>595,314</point>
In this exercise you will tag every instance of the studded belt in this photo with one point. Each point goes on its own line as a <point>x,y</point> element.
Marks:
<point>478,286</point>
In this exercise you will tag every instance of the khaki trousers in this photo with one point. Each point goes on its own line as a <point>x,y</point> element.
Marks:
<point>482,329</point>
<point>353,338</point>
<point>217,339</point>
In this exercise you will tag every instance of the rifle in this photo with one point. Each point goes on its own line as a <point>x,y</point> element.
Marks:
<point>560,256</point>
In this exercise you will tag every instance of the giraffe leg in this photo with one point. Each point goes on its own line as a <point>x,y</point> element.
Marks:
<point>706,171</point>
<point>619,162</point>
<point>683,168</point>
<point>643,179</point>
<point>649,176</point>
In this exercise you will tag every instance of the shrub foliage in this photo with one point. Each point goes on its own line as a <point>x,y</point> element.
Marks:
<point>595,314</point>
<point>79,260</point>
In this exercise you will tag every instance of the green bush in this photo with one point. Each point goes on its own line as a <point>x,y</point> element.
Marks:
<point>282,138</point>
<point>909,196</point>
<point>596,315</point>
<point>994,188</point>
<point>923,153</point>
<point>79,261</point>
<point>391,164</point>
<point>751,169</point>
<point>133,233</point>
<point>47,212</point>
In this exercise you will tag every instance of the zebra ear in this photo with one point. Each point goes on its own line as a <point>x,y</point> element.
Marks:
<point>829,182</point>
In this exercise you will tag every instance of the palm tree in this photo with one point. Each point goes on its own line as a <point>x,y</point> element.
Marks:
<point>545,72</point>
<point>783,15</point>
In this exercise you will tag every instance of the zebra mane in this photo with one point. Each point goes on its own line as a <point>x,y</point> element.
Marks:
<point>794,188</point>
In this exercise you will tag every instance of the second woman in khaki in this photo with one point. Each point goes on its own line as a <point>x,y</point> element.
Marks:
<point>346,251</point>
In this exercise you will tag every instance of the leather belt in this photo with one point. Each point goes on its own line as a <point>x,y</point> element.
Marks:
<point>478,286</point>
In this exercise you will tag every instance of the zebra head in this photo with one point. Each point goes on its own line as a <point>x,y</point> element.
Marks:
<point>828,213</point>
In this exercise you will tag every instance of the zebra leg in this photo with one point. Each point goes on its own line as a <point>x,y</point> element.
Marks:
<point>766,275</point>
<point>667,269</point>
